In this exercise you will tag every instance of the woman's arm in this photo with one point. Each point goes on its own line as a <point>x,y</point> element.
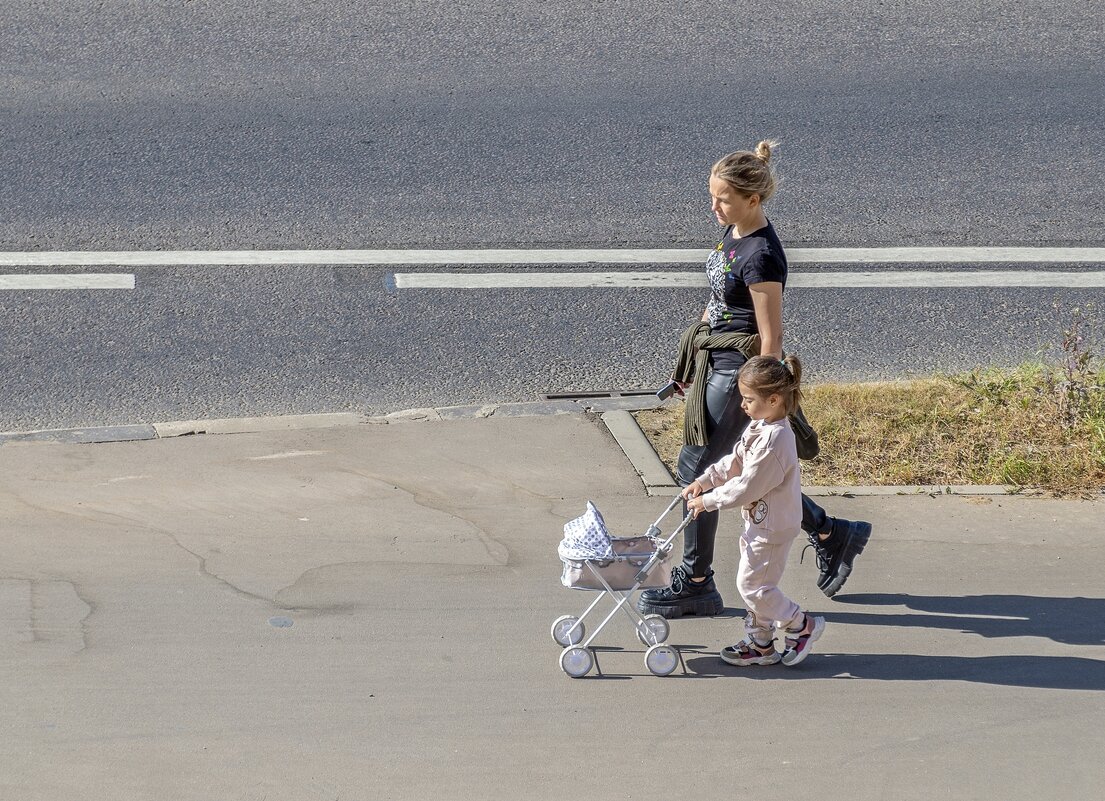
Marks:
<point>767,300</point>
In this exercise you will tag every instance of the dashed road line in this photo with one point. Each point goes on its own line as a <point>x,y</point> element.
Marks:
<point>922,279</point>
<point>67,281</point>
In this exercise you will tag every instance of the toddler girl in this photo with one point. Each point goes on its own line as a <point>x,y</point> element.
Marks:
<point>761,476</point>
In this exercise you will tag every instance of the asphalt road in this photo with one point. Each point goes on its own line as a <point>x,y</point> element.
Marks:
<point>227,342</point>
<point>278,125</point>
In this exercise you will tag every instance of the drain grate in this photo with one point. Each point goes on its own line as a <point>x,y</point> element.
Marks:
<point>613,393</point>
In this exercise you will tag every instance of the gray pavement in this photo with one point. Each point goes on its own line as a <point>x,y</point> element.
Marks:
<point>364,612</point>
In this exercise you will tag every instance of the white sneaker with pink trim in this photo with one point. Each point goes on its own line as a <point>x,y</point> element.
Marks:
<point>799,642</point>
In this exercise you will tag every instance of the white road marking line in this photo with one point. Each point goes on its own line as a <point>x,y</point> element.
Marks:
<point>547,280</point>
<point>964,278</point>
<point>179,258</point>
<point>896,255</point>
<point>924,279</point>
<point>991,255</point>
<point>68,281</point>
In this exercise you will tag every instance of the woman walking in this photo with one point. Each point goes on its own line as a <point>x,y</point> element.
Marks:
<point>743,317</point>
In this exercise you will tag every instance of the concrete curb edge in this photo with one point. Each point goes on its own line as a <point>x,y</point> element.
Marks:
<point>92,435</point>
<point>615,415</point>
<point>631,439</point>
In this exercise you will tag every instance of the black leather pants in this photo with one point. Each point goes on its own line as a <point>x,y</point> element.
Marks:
<point>725,422</point>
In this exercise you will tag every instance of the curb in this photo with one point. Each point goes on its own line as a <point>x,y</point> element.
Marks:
<point>981,490</point>
<point>615,415</point>
<point>631,439</point>
<point>247,425</point>
<point>241,425</point>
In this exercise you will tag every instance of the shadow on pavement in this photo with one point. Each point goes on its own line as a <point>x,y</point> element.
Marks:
<point>1072,621</point>
<point>1048,672</point>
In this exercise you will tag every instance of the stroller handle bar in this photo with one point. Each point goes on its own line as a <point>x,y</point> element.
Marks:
<point>665,548</point>
<point>654,529</point>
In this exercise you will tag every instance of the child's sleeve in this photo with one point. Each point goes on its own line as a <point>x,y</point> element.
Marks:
<point>762,472</point>
<point>723,469</point>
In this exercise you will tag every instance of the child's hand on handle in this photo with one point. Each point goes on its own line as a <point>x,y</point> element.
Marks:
<point>693,490</point>
<point>696,506</point>
<point>693,496</point>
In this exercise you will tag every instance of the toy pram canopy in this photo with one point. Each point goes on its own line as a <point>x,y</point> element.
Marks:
<point>586,537</point>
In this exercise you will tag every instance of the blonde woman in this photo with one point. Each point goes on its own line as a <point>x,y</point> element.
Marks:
<point>743,317</point>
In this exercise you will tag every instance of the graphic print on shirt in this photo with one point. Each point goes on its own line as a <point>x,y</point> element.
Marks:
<point>758,513</point>
<point>719,268</point>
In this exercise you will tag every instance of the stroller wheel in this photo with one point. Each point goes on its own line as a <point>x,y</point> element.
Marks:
<point>661,660</point>
<point>561,628</point>
<point>576,661</point>
<point>653,630</point>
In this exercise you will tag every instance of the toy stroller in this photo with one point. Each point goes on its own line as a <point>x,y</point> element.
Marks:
<point>616,566</point>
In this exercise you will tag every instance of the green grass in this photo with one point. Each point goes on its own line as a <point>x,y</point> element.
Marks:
<point>1038,426</point>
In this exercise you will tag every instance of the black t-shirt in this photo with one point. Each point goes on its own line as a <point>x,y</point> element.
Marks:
<point>736,263</point>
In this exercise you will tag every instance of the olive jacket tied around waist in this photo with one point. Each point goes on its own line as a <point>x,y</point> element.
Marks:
<point>692,362</point>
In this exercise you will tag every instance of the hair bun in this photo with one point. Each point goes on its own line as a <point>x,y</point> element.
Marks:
<point>748,171</point>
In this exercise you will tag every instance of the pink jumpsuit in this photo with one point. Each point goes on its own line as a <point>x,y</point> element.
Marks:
<point>761,476</point>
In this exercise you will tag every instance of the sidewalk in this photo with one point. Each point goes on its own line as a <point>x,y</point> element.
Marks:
<point>364,612</point>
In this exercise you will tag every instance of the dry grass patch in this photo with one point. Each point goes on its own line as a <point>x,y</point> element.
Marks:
<point>1032,427</point>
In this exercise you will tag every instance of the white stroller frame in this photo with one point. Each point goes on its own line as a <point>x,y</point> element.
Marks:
<point>568,631</point>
